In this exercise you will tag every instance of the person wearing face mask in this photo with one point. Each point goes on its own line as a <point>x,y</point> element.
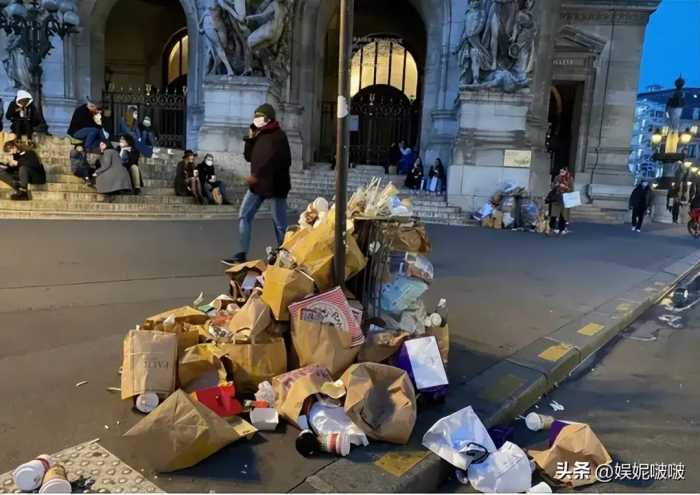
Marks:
<point>130,159</point>
<point>24,169</point>
<point>210,183</point>
<point>267,150</point>
<point>181,177</point>
<point>86,125</point>
<point>23,114</point>
<point>640,202</point>
<point>129,125</point>
<point>112,177</point>
<point>149,138</point>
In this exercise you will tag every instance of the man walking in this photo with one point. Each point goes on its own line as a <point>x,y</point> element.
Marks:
<point>640,202</point>
<point>267,150</point>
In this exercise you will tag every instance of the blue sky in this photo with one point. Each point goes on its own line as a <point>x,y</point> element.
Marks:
<point>672,45</point>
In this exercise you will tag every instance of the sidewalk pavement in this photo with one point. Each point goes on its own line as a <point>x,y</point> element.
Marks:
<point>513,298</point>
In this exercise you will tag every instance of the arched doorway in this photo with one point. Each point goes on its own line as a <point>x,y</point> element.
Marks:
<point>389,54</point>
<point>146,65</point>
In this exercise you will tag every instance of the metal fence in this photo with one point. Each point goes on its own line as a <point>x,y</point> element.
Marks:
<point>167,110</point>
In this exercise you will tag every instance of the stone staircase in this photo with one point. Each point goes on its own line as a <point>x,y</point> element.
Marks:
<point>66,196</point>
<point>594,214</point>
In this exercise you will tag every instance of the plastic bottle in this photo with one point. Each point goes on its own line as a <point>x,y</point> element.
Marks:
<point>442,311</point>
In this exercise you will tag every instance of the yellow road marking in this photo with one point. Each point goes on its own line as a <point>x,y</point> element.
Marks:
<point>591,329</point>
<point>399,463</point>
<point>623,308</point>
<point>555,352</point>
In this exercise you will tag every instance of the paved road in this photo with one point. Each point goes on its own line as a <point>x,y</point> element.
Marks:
<point>70,290</point>
<point>642,398</point>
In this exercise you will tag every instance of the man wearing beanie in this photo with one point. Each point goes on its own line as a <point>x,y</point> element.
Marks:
<point>267,150</point>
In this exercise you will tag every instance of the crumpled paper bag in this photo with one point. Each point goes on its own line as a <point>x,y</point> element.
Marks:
<point>203,366</point>
<point>381,401</point>
<point>184,314</point>
<point>575,443</point>
<point>324,345</point>
<point>256,363</point>
<point>149,363</point>
<point>181,432</point>
<point>284,287</point>
<point>251,321</point>
<point>411,239</point>
<point>380,346</point>
<point>293,388</point>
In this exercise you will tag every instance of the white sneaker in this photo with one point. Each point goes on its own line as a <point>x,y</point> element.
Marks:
<point>638,230</point>
<point>564,232</point>
<point>556,232</point>
<point>634,229</point>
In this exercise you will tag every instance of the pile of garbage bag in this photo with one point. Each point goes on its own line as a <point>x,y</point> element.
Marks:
<point>511,208</point>
<point>286,344</point>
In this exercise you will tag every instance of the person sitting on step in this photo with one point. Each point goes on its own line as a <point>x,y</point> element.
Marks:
<point>181,178</point>
<point>23,114</point>
<point>130,160</point>
<point>112,177</point>
<point>79,164</point>
<point>129,125</point>
<point>86,125</point>
<point>207,176</point>
<point>414,179</point>
<point>194,185</point>
<point>437,172</point>
<point>24,169</point>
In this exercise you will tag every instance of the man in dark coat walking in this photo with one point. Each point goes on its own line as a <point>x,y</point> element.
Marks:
<point>267,150</point>
<point>640,202</point>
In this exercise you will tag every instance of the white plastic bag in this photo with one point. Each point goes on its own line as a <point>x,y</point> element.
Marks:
<point>333,419</point>
<point>453,436</point>
<point>505,471</point>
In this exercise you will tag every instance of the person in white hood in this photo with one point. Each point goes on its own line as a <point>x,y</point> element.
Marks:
<point>23,114</point>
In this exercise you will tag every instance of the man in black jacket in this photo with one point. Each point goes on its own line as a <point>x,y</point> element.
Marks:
<point>267,150</point>
<point>25,169</point>
<point>640,202</point>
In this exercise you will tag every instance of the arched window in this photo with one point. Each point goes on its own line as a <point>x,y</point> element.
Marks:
<point>177,57</point>
<point>384,62</point>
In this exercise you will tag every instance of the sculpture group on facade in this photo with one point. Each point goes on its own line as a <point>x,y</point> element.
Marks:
<point>497,45</point>
<point>246,39</point>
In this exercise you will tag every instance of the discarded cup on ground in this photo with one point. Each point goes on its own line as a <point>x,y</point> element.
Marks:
<point>264,418</point>
<point>28,476</point>
<point>56,481</point>
<point>335,443</point>
<point>540,487</point>
<point>147,402</point>
<point>537,422</point>
<point>307,443</point>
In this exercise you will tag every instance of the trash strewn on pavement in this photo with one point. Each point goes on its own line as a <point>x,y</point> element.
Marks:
<point>284,343</point>
<point>512,207</point>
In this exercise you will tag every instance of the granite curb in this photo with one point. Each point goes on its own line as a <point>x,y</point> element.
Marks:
<point>522,379</point>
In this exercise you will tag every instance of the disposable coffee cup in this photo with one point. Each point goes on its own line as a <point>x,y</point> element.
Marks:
<point>147,402</point>
<point>435,320</point>
<point>28,476</point>
<point>541,487</point>
<point>335,443</point>
<point>56,481</point>
<point>537,422</point>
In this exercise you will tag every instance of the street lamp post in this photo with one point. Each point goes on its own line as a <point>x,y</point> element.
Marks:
<point>34,22</point>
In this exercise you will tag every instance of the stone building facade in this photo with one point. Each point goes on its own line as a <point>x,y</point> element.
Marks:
<point>500,90</point>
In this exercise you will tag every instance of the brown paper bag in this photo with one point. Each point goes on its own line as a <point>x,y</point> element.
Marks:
<point>284,287</point>
<point>184,314</point>
<point>238,272</point>
<point>575,443</point>
<point>203,366</point>
<point>256,363</point>
<point>412,239</point>
<point>442,335</point>
<point>293,388</point>
<point>324,345</point>
<point>380,346</point>
<point>252,320</point>
<point>314,251</point>
<point>149,363</point>
<point>182,432</point>
<point>381,401</point>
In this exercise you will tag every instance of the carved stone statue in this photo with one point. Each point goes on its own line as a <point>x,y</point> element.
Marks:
<point>497,46</point>
<point>675,105</point>
<point>16,64</point>
<point>266,41</point>
<point>223,28</point>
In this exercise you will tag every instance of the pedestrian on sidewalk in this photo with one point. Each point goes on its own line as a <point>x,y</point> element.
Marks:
<point>24,169</point>
<point>673,200</point>
<point>267,150</point>
<point>210,183</point>
<point>640,203</point>
<point>558,214</point>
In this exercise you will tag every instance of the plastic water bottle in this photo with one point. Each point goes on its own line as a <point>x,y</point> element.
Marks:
<point>442,311</point>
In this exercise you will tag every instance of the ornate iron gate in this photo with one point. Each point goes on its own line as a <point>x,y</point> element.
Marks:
<point>167,110</point>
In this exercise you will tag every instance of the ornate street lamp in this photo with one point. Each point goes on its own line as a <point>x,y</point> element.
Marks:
<point>34,22</point>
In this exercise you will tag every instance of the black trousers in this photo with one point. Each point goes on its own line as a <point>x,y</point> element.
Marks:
<point>675,210</point>
<point>638,217</point>
<point>22,177</point>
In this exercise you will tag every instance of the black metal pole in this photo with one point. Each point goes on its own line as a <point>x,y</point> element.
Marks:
<point>342,138</point>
